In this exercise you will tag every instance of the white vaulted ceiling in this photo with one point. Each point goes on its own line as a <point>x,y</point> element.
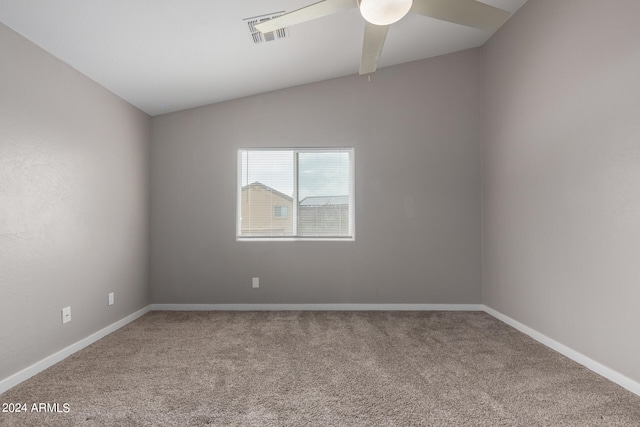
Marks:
<point>169,55</point>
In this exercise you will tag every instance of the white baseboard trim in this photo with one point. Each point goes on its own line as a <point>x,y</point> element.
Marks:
<point>591,364</point>
<point>317,307</point>
<point>49,361</point>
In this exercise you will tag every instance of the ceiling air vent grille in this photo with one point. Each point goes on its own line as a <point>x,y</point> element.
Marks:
<point>259,37</point>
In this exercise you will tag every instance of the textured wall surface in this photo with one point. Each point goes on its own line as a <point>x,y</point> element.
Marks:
<point>415,129</point>
<point>73,204</point>
<point>561,175</point>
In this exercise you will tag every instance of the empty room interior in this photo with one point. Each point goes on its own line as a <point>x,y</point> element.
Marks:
<point>476,262</point>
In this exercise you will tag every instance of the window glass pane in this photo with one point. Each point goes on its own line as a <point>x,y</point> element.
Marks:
<point>323,192</point>
<point>267,180</point>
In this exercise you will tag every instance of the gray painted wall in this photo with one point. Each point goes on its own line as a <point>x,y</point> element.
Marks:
<point>561,180</point>
<point>73,204</point>
<point>415,129</point>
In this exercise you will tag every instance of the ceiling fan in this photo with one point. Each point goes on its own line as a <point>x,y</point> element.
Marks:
<point>380,14</point>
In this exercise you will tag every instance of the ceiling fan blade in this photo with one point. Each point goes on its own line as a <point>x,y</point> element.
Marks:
<point>308,13</point>
<point>471,13</point>
<point>374,37</point>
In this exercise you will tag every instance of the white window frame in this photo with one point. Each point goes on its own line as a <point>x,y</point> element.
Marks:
<point>294,209</point>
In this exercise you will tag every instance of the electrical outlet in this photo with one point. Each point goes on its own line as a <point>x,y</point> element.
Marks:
<point>255,282</point>
<point>66,315</point>
<point>111,298</point>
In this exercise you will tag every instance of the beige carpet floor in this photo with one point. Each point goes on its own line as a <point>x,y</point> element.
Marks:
<point>320,369</point>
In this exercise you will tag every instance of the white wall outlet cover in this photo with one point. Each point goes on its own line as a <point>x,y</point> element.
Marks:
<point>255,282</point>
<point>111,298</point>
<point>66,315</point>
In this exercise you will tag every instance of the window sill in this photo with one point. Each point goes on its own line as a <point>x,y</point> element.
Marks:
<point>295,239</point>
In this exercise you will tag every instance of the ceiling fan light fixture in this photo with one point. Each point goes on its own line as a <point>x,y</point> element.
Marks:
<point>384,12</point>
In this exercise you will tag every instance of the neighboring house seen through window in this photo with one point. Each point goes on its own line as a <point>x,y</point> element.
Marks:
<point>295,194</point>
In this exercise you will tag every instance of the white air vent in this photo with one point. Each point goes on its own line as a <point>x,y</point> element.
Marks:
<point>257,36</point>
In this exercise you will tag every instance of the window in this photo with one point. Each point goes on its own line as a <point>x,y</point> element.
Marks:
<point>281,211</point>
<point>295,194</point>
